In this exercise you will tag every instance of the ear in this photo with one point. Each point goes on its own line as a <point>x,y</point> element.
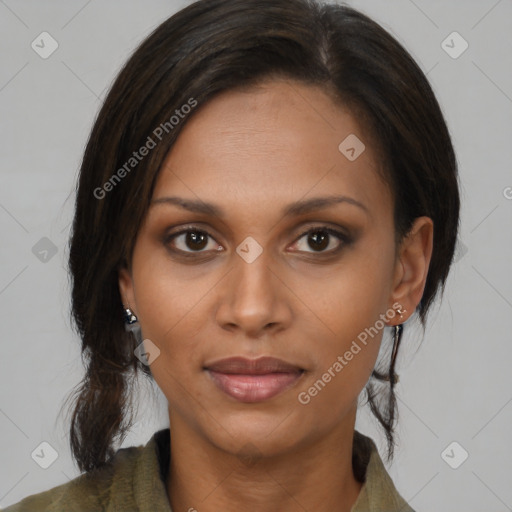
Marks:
<point>412,266</point>
<point>126,289</point>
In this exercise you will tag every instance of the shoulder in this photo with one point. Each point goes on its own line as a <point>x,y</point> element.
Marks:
<point>92,491</point>
<point>378,492</point>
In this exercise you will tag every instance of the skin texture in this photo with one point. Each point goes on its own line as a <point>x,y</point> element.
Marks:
<point>252,153</point>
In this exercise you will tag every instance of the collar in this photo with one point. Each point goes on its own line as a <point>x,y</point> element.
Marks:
<point>378,493</point>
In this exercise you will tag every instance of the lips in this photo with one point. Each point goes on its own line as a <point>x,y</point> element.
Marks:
<point>253,380</point>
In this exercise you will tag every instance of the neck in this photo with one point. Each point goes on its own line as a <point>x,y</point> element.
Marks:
<point>316,476</point>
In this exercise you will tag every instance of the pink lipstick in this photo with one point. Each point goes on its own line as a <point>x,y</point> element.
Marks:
<point>253,380</point>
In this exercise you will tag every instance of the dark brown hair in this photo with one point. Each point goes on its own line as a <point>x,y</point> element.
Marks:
<point>208,47</point>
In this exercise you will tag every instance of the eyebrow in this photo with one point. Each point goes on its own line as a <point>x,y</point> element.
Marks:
<point>293,209</point>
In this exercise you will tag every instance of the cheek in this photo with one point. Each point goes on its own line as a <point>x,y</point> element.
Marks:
<point>173,321</point>
<point>171,314</point>
<point>355,293</point>
<point>345,354</point>
<point>166,305</point>
<point>350,306</point>
<point>165,293</point>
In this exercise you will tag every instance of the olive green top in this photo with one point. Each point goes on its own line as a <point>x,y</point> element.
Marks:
<point>135,481</point>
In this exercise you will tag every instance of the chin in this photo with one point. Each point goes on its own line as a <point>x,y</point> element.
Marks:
<point>254,433</point>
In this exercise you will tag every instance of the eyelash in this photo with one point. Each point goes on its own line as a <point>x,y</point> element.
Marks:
<point>342,237</point>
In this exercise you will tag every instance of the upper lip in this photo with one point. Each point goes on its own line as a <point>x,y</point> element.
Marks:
<point>260,366</point>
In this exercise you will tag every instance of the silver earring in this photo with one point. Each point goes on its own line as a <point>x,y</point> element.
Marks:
<point>131,324</point>
<point>129,317</point>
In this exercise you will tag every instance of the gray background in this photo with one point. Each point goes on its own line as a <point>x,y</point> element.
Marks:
<point>456,383</point>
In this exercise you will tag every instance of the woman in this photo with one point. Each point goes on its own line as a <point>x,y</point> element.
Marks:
<point>269,187</point>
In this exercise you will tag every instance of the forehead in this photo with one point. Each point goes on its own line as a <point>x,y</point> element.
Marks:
<point>273,143</point>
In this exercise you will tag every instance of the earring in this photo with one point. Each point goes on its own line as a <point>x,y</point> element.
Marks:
<point>392,377</point>
<point>401,312</point>
<point>131,324</point>
<point>129,317</point>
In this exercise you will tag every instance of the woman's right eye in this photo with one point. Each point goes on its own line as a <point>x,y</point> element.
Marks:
<point>194,239</point>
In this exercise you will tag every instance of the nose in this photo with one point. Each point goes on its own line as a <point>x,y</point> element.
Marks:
<point>254,299</point>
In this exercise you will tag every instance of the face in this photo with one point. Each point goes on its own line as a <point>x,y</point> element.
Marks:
<point>249,263</point>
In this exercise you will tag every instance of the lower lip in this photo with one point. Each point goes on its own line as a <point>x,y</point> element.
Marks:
<point>254,388</point>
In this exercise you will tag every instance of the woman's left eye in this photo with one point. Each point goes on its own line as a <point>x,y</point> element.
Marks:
<point>321,238</point>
